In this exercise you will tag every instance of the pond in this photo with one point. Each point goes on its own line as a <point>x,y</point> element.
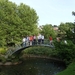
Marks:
<point>33,66</point>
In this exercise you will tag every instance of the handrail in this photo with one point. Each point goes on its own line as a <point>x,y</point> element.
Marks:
<point>12,50</point>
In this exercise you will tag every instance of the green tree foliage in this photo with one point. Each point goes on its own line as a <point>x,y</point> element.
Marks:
<point>28,17</point>
<point>65,52</point>
<point>16,21</point>
<point>63,27</point>
<point>73,13</point>
<point>66,29</point>
<point>48,30</point>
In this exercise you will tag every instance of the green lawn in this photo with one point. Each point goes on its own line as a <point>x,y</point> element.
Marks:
<point>70,70</point>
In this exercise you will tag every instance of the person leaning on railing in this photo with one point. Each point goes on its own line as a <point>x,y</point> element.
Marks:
<point>51,40</point>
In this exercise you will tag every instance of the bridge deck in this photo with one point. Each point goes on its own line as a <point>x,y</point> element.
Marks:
<point>20,48</point>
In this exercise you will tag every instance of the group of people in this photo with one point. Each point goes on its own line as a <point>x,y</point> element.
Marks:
<point>32,40</point>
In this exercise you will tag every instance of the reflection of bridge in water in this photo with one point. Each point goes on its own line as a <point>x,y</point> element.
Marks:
<point>19,48</point>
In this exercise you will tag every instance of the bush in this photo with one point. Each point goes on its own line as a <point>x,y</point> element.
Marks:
<point>2,50</point>
<point>39,51</point>
<point>65,51</point>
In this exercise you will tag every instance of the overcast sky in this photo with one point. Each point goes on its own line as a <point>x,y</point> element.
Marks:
<point>51,11</point>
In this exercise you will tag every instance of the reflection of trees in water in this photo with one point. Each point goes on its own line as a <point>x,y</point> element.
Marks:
<point>18,70</point>
<point>33,67</point>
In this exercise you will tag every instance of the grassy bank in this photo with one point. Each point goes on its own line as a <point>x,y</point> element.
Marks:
<point>70,70</point>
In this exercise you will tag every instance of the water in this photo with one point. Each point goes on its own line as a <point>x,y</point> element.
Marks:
<point>33,67</point>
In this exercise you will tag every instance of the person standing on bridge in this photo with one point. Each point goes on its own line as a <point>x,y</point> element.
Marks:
<point>30,40</point>
<point>51,41</point>
<point>27,40</point>
<point>42,38</point>
<point>34,40</point>
<point>24,41</point>
<point>39,38</point>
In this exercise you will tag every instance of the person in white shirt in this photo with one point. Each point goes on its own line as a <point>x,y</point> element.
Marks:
<point>42,37</point>
<point>39,38</point>
<point>24,41</point>
<point>34,40</point>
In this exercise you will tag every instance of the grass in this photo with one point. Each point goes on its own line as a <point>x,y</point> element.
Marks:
<point>70,70</point>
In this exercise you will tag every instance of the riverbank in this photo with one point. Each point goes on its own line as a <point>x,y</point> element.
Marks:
<point>70,70</point>
<point>25,56</point>
<point>10,63</point>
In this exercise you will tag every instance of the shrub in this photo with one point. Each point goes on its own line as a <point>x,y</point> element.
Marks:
<point>65,51</point>
<point>39,51</point>
<point>2,50</point>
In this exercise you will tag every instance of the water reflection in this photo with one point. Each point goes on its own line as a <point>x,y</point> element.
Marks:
<point>33,67</point>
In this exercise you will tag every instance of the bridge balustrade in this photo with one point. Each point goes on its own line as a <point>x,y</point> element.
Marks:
<point>12,50</point>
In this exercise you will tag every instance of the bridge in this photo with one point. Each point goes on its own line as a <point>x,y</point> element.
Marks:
<point>19,48</point>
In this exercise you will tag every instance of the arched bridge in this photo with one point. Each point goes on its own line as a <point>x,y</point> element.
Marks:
<point>16,49</point>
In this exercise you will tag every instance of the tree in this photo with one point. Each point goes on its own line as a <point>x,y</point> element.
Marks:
<point>29,18</point>
<point>48,30</point>
<point>66,29</point>
<point>16,21</point>
<point>73,13</point>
